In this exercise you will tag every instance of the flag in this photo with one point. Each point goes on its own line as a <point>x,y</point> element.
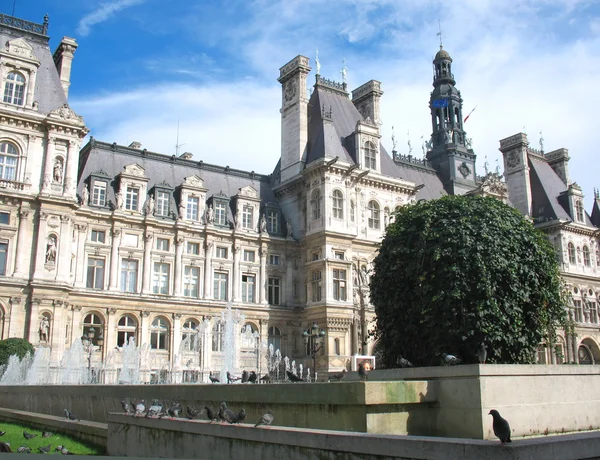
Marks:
<point>467,117</point>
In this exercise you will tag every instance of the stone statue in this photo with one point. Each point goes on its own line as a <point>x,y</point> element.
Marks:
<point>120,202</point>
<point>58,170</point>
<point>181,211</point>
<point>51,250</point>
<point>290,229</point>
<point>238,219</point>
<point>85,195</point>
<point>318,63</point>
<point>150,208</point>
<point>44,328</point>
<point>263,224</point>
<point>210,214</point>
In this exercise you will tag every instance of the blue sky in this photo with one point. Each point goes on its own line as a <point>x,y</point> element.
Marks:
<point>142,65</point>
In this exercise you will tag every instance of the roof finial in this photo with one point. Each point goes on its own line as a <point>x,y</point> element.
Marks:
<point>541,142</point>
<point>344,71</point>
<point>318,63</point>
<point>497,167</point>
<point>439,34</point>
<point>393,140</point>
<point>409,144</point>
<point>486,166</point>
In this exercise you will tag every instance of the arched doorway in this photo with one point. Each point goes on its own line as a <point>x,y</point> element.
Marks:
<point>588,352</point>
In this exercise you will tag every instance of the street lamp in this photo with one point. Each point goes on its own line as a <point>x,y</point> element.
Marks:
<point>314,339</point>
<point>87,341</point>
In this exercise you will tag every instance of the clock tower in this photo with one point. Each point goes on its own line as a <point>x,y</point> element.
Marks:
<point>449,150</point>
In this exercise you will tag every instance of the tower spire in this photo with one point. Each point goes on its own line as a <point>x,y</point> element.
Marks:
<point>439,34</point>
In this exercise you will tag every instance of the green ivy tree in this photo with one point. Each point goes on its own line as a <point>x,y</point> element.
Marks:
<point>461,270</point>
<point>14,346</point>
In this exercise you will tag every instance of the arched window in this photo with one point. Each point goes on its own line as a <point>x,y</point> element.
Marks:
<point>217,336</point>
<point>373,209</point>
<point>572,258</point>
<point>189,335</point>
<point>14,88</point>
<point>93,327</point>
<point>584,355</point>
<point>275,337</point>
<point>337,200</point>
<point>249,336</point>
<point>370,156</point>
<point>126,330</point>
<point>541,355</point>
<point>315,203</point>
<point>586,256</point>
<point>8,161</point>
<point>559,350</point>
<point>159,334</point>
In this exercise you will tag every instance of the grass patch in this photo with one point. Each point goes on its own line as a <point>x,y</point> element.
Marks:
<point>14,436</point>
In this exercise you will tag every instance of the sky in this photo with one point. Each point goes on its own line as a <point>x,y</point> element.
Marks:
<point>203,73</point>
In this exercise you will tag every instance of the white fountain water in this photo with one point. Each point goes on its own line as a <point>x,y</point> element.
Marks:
<point>231,320</point>
<point>130,363</point>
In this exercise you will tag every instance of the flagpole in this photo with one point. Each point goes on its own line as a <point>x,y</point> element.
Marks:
<point>467,117</point>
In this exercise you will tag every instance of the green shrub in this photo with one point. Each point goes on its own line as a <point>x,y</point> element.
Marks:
<point>14,346</point>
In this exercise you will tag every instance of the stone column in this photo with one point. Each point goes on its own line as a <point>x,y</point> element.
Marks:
<point>15,318</point>
<point>236,272</point>
<point>24,239</point>
<point>56,334</point>
<point>207,348</point>
<point>208,291</point>
<point>113,284</point>
<point>110,335</point>
<point>80,280</point>
<point>33,332</point>
<point>287,289</point>
<point>144,328</point>
<point>176,337</point>
<point>178,266</point>
<point>40,258</point>
<point>64,253</point>
<point>49,165</point>
<point>77,325</point>
<point>262,283</point>
<point>146,288</point>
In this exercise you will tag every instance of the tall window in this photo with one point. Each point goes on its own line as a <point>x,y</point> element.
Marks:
<point>274,291</point>
<point>221,253</point>
<point>193,248</point>
<point>273,259</point>
<point>162,203</point>
<point>95,273</point>
<point>220,213</point>
<point>351,211</point>
<point>316,286</point>
<point>275,338</point>
<point>126,329</point>
<point>189,335</point>
<point>247,213</point>
<point>593,312</point>
<point>578,311</point>
<point>99,193</point>
<point>374,212</point>
<point>338,204</point>
<point>586,257</point>
<point>249,256</point>
<point>217,336</point>
<point>159,334</point>
<point>248,283</point>
<point>579,210</point>
<point>98,236</point>
<point>339,284</point>
<point>8,161</point>
<point>160,278</point>
<point>14,88</point>
<point>370,156</point>
<point>315,203</point>
<point>3,257</point>
<point>220,286</point>
<point>93,321</point>
<point>571,248</point>
<point>191,279</point>
<point>193,204</point>
<point>132,198</point>
<point>272,222</point>
<point>129,272</point>
<point>162,244</point>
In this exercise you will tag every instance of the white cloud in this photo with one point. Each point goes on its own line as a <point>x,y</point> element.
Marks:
<point>102,13</point>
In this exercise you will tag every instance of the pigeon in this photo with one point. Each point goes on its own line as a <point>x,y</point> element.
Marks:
<point>192,413</point>
<point>293,377</point>
<point>213,379</point>
<point>252,377</point>
<point>225,415</point>
<point>362,372</point>
<point>140,407</point>
<point>70,415</point>
<point>58,448</point>
<point>155,409</point>
<point>501,427</point>
<point>2,433</point>
<point>45,449</point>
<point>337,377</point>
<point>265,378</point>
<point>245,376</point>
<point>28,436</point>
<point>210,414</point>
<point>239,418</point>
<point>5,447</point>
<point>266,419</point>
<point>47,434</point>
<point>174,410</point>
<point>450,360</point>
<point>403,362</point>
<point>127,406</point>
<point>24,450</point>
<point>65,451</point>
<point>482,353</point>
<point>230,378</point>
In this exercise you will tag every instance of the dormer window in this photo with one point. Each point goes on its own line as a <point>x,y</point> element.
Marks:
<point>8,161</point>
<point>132,198</point>
<point>247,216</point>
<point>99,193</point>
<point>272,223</point>
<point>14,88</point>
<point>162,203</point>
<point>370,156</point>
<point>316,205</point>
<point>579,211</point>
<point>220,213</point>
<point>193,205</point>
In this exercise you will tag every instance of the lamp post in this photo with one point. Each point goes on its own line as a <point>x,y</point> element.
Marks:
<point>314,338</point>
<point>89,347</point>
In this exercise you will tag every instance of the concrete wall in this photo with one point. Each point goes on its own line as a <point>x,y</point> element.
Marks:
<point>139,437</point>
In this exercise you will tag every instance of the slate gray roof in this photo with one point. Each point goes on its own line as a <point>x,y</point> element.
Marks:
<point>49,92</point>
<point>433,187</point>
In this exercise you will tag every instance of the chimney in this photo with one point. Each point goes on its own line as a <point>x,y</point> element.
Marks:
<point>63,58</point>
<point>366,100</point>
<point>559,162</point>
<point>516,171</point>
<point>135,145</point>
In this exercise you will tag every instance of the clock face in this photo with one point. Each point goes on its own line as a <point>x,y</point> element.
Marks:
<point>439,103</point>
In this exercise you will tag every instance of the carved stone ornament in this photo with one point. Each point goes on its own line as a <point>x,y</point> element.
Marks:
<point>248,191</point>
<point>66,113</point>
<point>20,47</point>
<point>290,90</point>
<point>513,159</point>
<point>193,181</point>
<point>134,170</point>
<point>464,169</point>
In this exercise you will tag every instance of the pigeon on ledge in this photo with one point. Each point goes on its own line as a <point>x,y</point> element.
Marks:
<point>24,450</point>
<point>213,379</point>
<point>450,360</point>
<point>245,376</point>
<point>252,377</point>
<point>265,378</point>
<point>192,413</point>
<point>45,449</point>
<point>140,407</point>
<point>70,415</point>
<point>47,434</point>
<point>28,436</point>
<point>231,378</point>
<point>210,414</point>
<point>293,377</point>
<point>403,362</point>
<point>266,419</point>
<point>225,415</point>
<point>338,376</point>
<point>239,418</point>
<point>127,406</point>
<point>500,426</point>
<point>155,409</point>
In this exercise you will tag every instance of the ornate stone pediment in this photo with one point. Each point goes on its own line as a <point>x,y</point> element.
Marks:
<point>66,113</point>
<point>193,181</point>
<point>19,47</point>
<point>248,191</point>
<point>134,170</point>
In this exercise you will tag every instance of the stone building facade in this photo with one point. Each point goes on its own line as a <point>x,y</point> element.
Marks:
<point>152,248</point>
